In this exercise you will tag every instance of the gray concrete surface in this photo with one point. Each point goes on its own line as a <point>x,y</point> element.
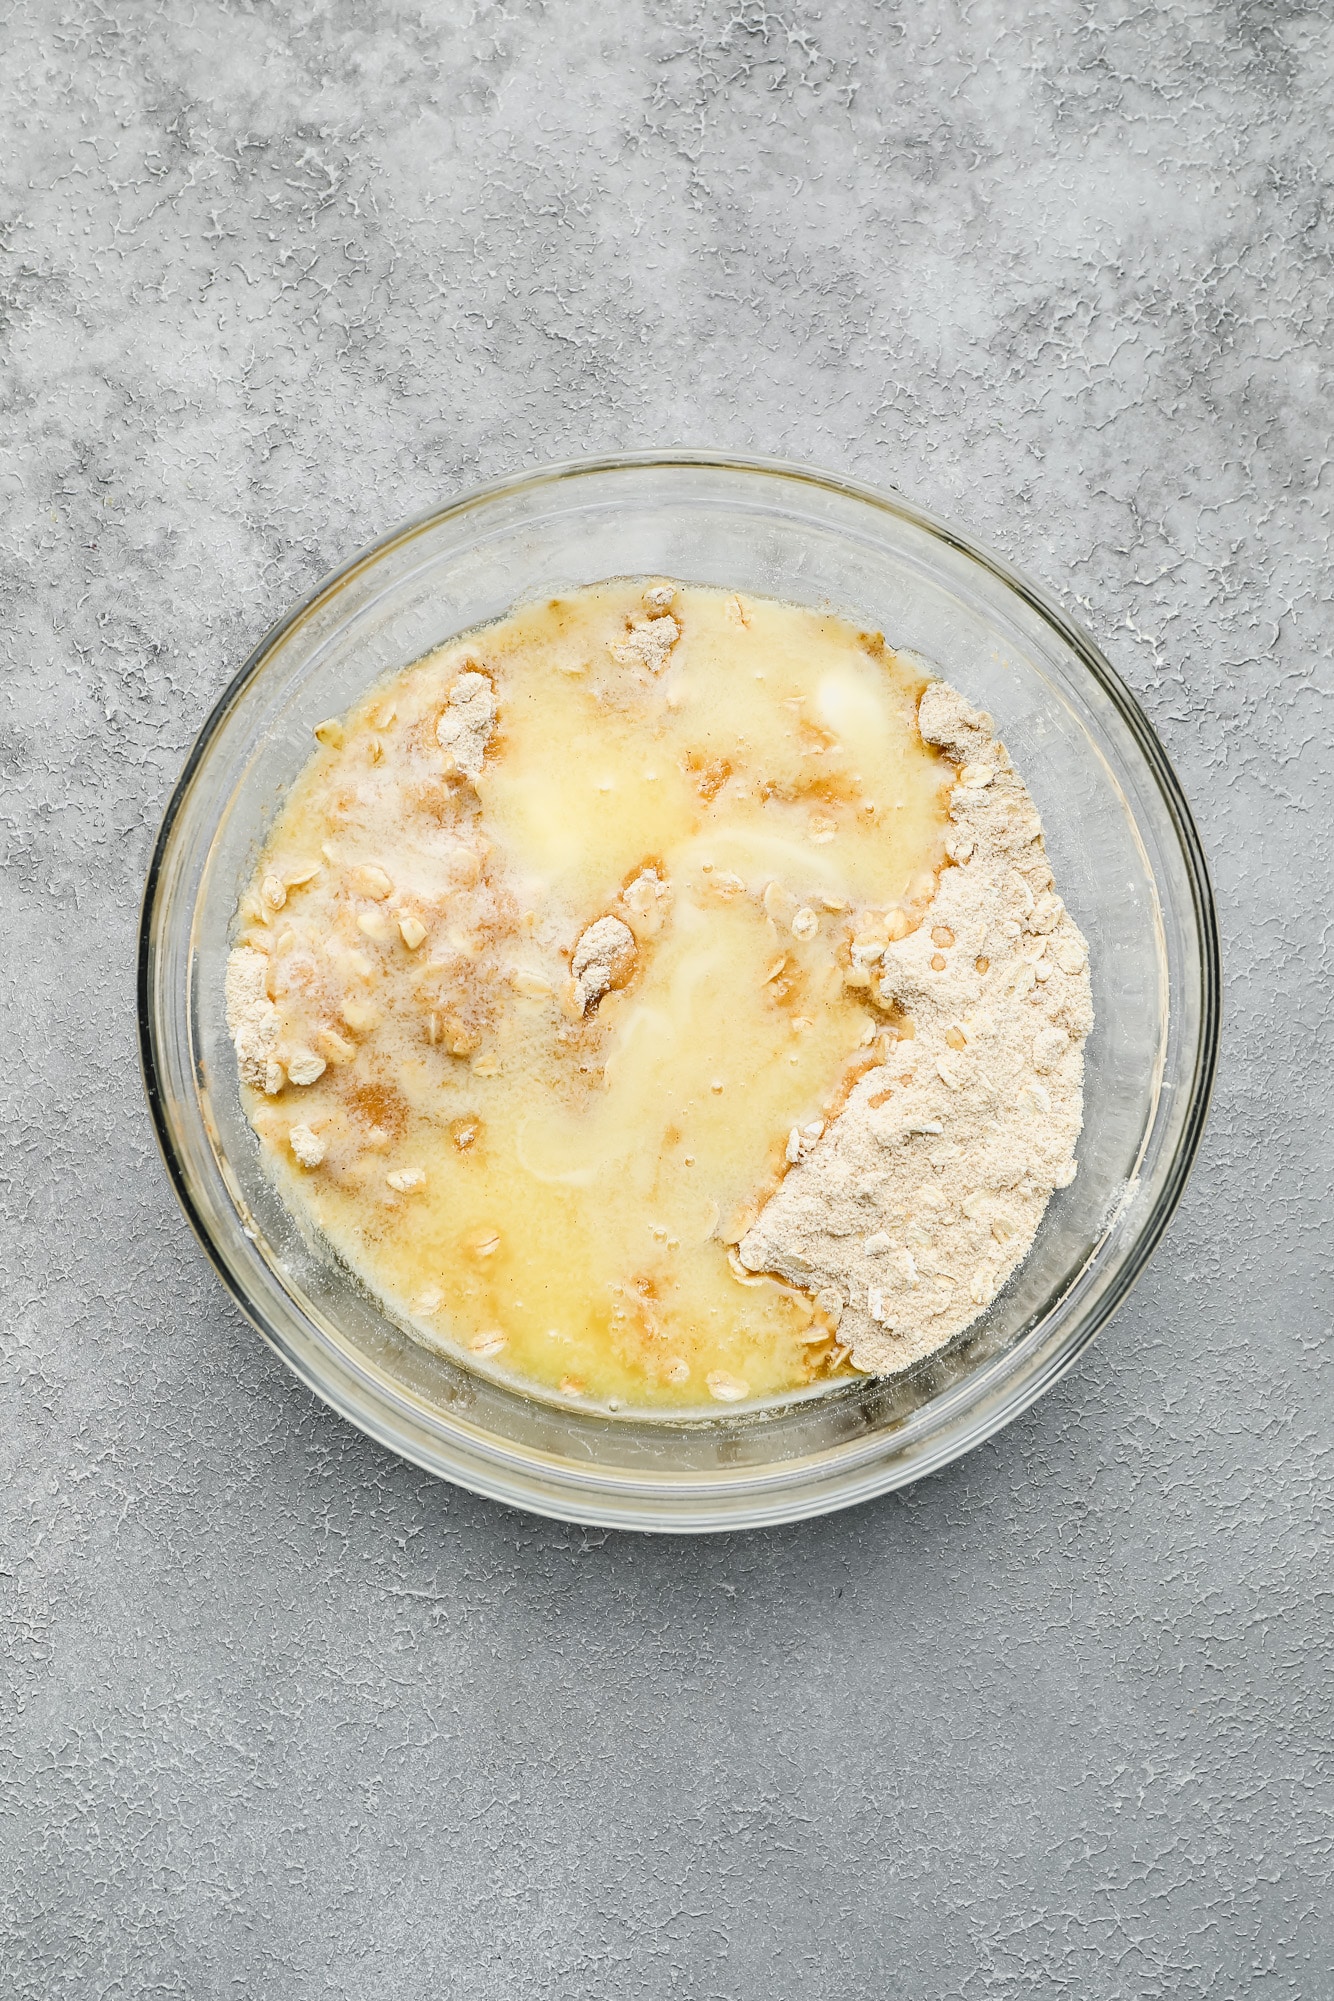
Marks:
<point>280,1717</point>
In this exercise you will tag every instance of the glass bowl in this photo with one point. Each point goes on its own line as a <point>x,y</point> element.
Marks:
<point>1127,861</point>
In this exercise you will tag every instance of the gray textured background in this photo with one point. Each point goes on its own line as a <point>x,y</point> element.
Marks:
<point>280,1717</point>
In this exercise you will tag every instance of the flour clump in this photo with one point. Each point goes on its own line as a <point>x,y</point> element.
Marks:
<point>464,730</point>
<point>603,958</point>
<point>253,1019</point>
<point>648,643</point>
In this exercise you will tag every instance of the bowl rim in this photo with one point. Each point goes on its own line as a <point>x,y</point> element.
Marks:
<point>1010,1398</point>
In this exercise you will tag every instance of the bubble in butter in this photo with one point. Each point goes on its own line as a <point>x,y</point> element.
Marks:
<point>538,1142</point>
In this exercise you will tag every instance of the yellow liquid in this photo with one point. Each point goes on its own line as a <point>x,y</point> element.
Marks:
<point>583,1178</point>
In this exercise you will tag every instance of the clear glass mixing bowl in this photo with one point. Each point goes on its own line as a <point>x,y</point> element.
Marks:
<point>1121,840</point>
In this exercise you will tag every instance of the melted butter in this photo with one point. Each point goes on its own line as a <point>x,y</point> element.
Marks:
<point>582,1179</point>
